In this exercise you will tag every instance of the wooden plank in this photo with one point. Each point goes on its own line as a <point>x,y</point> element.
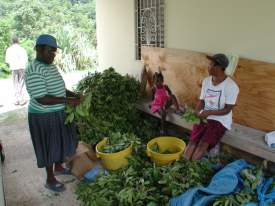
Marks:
<point>249,140</point>
<point>171,116</point>
<point>184,71</point>
<point>256,103</point>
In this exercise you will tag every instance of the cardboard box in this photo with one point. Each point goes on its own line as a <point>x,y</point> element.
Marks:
<point>81,164</point>
<point>89,150</point>
<point>83,160</point>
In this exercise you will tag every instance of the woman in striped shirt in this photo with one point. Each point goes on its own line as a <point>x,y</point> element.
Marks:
<point>53,141</point>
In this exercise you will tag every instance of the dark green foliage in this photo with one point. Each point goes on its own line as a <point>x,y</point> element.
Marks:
<point>4,71</point>
<point>117,142</point>
<point>142,183</point>
<point>155,148</point>
<point>111,107</point>
<point>71,22</point>
<point>5,37</point>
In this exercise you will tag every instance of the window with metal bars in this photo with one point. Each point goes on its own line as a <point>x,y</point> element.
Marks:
<point>149,24</point>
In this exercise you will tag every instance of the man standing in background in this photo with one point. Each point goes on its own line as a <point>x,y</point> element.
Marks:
<point>17,58</point>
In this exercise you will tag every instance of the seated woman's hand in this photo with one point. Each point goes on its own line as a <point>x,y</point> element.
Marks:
<point>197,112</point>
<point>203,114</point>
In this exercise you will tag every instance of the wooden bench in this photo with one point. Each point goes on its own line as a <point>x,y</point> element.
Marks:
<point>240,137</point>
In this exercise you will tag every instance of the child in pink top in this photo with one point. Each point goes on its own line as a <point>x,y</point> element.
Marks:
<point>162,99</point>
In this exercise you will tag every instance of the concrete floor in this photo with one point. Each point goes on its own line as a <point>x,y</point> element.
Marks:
<point>23,181</point>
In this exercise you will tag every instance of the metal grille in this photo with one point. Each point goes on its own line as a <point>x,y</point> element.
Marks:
<point>149,24</point>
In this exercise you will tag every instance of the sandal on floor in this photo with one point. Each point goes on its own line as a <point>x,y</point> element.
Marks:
<point>66,171</point>
<point>55,187</point>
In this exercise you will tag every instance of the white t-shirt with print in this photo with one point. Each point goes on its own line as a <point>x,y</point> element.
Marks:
<point>217,96</point>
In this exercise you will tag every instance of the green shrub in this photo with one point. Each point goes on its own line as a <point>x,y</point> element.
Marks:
<point>110,106</point>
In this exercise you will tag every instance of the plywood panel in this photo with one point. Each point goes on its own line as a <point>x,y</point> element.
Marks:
<point>184,71</point>
<point>256,103</point>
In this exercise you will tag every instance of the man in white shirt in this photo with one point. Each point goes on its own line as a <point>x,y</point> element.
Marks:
<point>17,58</point>
<point>218,97</point>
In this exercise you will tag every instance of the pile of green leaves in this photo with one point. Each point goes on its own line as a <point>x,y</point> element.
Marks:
<point>144,184</point>
<point>109,106</point>
<point>190,116</point>
<point>155,148</point>
<point>117,142</point>
<point>80,111</point>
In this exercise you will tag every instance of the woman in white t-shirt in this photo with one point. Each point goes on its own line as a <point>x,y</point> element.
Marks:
<point>218,97</point>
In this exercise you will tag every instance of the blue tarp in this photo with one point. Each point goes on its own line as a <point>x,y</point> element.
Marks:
<point>225,182</point>
<point>264,198</point>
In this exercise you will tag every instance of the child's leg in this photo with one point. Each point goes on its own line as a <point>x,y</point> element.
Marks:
<point>175,102</point>
<point>163,119</point>
<point>172,101</point>
<point>190,150</point>
<point>201,150</point>
<point>162,113</point>
<point>168,103</point>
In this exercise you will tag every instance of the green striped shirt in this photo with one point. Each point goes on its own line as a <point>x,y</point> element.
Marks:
<point>44,79</point>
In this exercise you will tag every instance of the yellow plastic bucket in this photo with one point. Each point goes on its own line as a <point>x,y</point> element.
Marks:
<point>173,144</point>
<point>113,161</point>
